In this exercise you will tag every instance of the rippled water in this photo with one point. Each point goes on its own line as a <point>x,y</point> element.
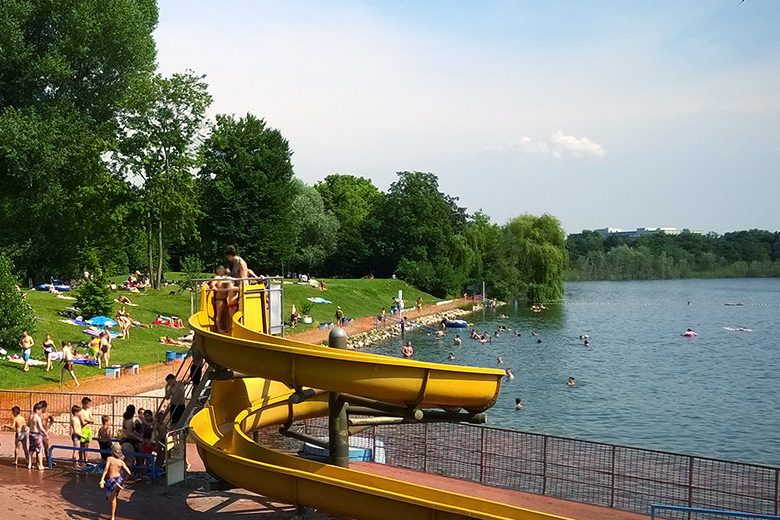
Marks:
<point>639,382</point>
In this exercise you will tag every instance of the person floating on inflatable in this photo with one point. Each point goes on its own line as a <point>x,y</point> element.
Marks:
<point>689,333</point>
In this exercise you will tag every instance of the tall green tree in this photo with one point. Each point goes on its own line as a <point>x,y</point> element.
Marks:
<point>415,225</point>
<point>158,151</point>
<point>317,229</point>
<point>16,315</point>
<point>65,71</point>
<point>533,258</point>
<point>84,54</point>
<point>246,192</point>
<point>353,201</point>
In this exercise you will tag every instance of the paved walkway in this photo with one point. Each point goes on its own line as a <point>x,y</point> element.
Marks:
<point>367,323</point>
<point>65,493</point>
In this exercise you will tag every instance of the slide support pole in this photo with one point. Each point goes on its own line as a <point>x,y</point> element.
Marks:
<point>338,426</point>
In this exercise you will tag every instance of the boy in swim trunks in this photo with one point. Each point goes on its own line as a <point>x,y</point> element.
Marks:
<point>26,343</point>
<point>113,470</point>
<point>75,431</point>
<point>36,437</point>
<point>20,435</point>
<point>104,436</point>
<point>85,415</point>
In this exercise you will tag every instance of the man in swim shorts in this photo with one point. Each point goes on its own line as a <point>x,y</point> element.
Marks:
<point>67,362</point>
<point>26,343</point>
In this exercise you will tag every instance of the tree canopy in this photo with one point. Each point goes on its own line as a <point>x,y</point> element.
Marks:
<point>106,164</point>
<point>246,191</point>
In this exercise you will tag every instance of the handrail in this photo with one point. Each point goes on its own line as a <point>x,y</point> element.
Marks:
<point>718,512</point>
<point>151,466</point>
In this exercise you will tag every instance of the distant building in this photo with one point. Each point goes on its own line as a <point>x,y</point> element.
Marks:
<point>642,232</point>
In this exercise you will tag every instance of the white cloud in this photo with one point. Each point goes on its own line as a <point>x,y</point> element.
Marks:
<point>557,146</point>
<point>576,146</point>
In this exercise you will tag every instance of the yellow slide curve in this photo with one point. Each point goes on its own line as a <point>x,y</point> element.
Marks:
<point>276,366</point>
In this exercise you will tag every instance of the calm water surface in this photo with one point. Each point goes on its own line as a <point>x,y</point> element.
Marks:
<point>639,382</point>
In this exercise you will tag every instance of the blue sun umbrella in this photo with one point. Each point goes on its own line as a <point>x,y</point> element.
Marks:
<point>101,321</point>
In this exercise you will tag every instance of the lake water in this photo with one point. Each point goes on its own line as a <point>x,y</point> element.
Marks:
<point>638,382</point>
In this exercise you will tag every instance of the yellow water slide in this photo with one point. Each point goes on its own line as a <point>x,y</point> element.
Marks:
<point>274,368</point>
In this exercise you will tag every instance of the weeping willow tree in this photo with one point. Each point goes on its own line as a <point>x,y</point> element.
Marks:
<point>532,260</point>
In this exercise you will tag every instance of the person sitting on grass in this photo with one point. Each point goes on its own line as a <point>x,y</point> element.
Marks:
<point>111,480</point>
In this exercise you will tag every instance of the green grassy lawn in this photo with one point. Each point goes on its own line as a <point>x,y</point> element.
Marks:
<point>142,347</point>
<point>357,298</point>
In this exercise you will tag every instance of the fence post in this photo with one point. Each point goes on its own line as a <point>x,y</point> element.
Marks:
<point>482,457</point>
<point>544,467</point>
<point>425,447</point>
<point>612,483</point>
<point>690,482</point>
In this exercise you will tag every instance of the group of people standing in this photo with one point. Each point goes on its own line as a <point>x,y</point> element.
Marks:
<point>66,356</point>
<point>31,438</point>
<point>225,287</point>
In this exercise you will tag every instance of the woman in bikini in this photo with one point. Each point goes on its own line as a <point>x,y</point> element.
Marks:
<point>124,321</point>
<point>48,351</point>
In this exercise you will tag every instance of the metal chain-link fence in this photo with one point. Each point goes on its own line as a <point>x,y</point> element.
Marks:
<point>608,475</point>
<point>60,403</point>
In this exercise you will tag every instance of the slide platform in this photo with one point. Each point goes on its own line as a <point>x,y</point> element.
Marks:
<point>275,367</point>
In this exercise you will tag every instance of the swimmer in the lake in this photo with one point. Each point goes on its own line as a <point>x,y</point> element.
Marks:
<point>538,341</point>
<point>510,376</point>
<point>518,404</point>
<point>534,333</point>
<point>499,360</point>
<point>451,357</point>
<point>571,382</point>
<point>457,341</point>
<point>407,351</point>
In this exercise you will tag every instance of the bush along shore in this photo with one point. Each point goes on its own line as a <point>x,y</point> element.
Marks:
<point>392,326</point>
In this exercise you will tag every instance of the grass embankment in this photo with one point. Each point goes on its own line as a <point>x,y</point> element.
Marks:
<point>357,298</point>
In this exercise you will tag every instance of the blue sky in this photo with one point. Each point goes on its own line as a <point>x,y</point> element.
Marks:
<point>631,113</point>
